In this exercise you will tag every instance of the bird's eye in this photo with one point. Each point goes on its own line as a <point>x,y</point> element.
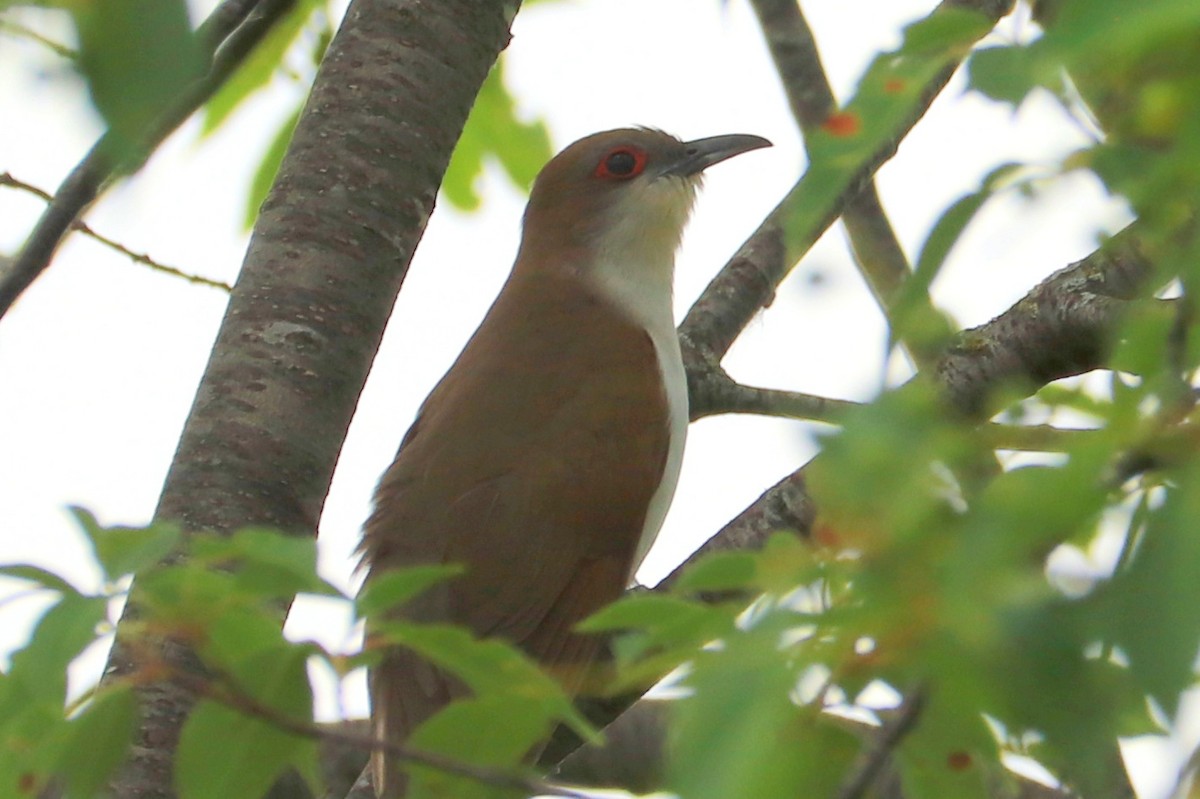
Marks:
<point>622,163</point>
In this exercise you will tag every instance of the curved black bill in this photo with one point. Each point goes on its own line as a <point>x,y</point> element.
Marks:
<point>703,153</point>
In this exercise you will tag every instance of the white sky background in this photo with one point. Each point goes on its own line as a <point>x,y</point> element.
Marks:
<point>100,359</point>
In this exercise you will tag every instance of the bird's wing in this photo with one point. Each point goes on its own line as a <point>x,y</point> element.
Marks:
<point>532,464</point>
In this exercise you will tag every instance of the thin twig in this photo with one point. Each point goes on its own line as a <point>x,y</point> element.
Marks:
<point>716,393</point>
<point>885,741</point>
<point>101,165</point>
<point>1034,437</point>
<point>224,691</point>
<point>17,29</point>
<point>6,179</point>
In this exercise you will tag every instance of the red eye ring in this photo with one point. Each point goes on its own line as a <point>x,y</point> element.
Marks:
<point>622,163</point>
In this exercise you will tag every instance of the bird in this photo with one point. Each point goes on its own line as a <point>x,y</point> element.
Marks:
<point>545,459</point>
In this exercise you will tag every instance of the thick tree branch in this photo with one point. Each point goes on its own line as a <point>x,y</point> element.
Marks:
<point>233,30</point>
<point>1065,326</point>
<point>328,255</point>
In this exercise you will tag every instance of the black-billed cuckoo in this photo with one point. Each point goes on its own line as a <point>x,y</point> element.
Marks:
<point>545,459</point>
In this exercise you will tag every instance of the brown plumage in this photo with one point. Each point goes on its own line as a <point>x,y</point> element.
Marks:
<point>545,458</point>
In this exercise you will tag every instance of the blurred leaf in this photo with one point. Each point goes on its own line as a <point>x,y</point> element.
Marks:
<point>226,754</point>
<point>868,127</point>
<point>949,751</point>
<point>258,67</point>
<point>947,30</point>
<point>137,57</point>
<point>488,667</point>
<point>494,731</point>
<point>239,635</point>
<point>99,740</point>
<point>36,574</point>
<point>661,632</point>
<point>740,734</point>
<point>268,168</point>
<point>1008,74</point>
<point>394,588</point>
<point>189,594</point>
<point>40,669</point>
<point>1149,610</point>
<point>125,550</point>
<point>719,571</point>
<point>954,220</point>
<point>266,562</point>
<point>32,738</point>
<point>1142,347</point>
<point>1048,685</point>
<point>914,320</point>
<point>645,612</point>
<point>493,130</point>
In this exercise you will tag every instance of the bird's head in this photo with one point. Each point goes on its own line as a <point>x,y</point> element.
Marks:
<point>622,196</point>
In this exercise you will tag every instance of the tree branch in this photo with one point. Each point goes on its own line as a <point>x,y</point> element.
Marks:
<point>6,179</point>
<point>747,283</point>
<point>883,744</point>
<point>237,31</point>
<point>1087,296</point>
<point>1065,326</point>
<point>793,48</point>
<point>329,252</point>
<point>224,691</point>
<point>715,392</point>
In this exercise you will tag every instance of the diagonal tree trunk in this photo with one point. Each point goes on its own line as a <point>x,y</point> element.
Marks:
<point>327,258</point>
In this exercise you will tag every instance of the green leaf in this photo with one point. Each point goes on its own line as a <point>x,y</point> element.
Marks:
<point>954,220</point>
<point>392,589</point>
<point>740,733</point>
<point>1009,74</point>
<point>1149,610</point>
<point>867,128</point>
<point>493,130</point>
<point>495,731</point>
<point>32,737</point>
<point>242,634</point>
<point>946,31</point>
<point>720,571</point>
<point>666,631</point>
<point>258,68</point>
<point>488,667</point>
<point>36,574</point>
<point>137,57</point>
<point>63,632</point>
<point>188,593</point>
<point>267,563</point>
<point>98,741</point>
<point>915,321</point>
<point>227,754</point>
<point>268,168</point>
<point>949,751</point>
<point>125,550</point>
<point>645,612</point>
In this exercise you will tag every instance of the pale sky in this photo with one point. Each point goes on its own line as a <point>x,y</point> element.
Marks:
<point>100,359</point>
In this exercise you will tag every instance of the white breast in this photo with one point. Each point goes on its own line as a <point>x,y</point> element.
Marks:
<point>640,291</point>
